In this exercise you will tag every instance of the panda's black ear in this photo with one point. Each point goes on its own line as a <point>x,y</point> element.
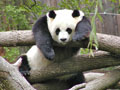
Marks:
<point>76,13</point>
<point>52,14</point>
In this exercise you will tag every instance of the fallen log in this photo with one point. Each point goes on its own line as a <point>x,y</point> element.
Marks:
<point>108,43</point>
<point>11,79</point>
<point>104,82</point>
<point>78,63</point>
<point>24,38</point>
<point>16,38</point>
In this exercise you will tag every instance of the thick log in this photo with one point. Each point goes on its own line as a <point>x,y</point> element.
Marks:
<point>16,38</point>
<point>25,38</point>
<point>10,76</point>
<point>78,63</point>
<point>11,79</point>
<point>104,82</point>
<point>89,76</point>
<point>109,43</point>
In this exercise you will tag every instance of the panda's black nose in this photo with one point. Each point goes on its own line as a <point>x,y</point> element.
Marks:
<point>63,39</point>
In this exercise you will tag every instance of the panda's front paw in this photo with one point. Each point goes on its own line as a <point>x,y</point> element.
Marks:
<point>78,38</point>
<point>82,36</point>
<point>25,73</point>
<point>47,51</point>
<point>49,54</point>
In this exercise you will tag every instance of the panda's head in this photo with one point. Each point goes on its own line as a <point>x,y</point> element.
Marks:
<point>62,24</point>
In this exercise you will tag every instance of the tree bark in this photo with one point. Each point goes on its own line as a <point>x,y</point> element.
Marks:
<point>25,38</point>
<point>104,82</point>
<point>11,79</point>
<point>78,63</point>
<point>16,38</point>
<point>108,43</point>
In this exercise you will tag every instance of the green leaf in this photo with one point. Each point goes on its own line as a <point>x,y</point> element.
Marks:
<point>100,17</point>
<point>100,4</point>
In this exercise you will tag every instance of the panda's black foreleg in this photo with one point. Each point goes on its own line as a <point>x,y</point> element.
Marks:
<point>48,51</point>
<point>43,38</point>
<point>83,30</point>
<point>24,68</point>
<point>76,79</point>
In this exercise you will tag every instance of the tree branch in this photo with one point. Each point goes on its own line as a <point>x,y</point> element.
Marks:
<point>16,38</point>
<point>104,82</point>
<point>109,43</point>
<point>76,64</point>
<point>11,79</point>
<point>25,38</point>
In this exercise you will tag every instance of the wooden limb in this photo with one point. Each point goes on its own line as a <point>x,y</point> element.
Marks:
<point>109,43</point>
<point>16,38</point>
<point>51,85</point>
<point>24,38</point>
<point>89,76</point>
<point>104,82</point>
<point>11,79</point>
<point>75,64</point>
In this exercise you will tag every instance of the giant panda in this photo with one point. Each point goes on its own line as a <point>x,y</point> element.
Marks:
<point>61,27</point>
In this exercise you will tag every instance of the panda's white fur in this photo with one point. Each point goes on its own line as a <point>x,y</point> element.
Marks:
<point>63,20</point>
<point>36,59</point>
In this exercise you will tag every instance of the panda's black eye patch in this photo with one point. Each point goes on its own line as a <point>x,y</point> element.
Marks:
<point>69,30</point>
<point>57,31</point>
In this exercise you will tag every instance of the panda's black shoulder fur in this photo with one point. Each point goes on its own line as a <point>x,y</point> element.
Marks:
<point>41,22</point>
<point>43,38</point>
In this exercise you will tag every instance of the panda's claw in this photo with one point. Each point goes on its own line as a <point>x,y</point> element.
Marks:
<point>25,73</point>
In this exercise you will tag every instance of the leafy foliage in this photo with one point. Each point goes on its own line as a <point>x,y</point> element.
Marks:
<point>36,8</point>
<point>11,53</point>
<point>16,17</point>
<point>86,6</point>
